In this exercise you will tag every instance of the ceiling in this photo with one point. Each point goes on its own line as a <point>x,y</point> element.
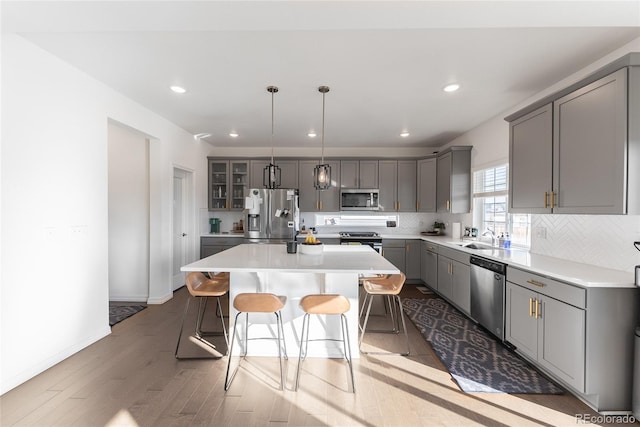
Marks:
<point>386,62</point>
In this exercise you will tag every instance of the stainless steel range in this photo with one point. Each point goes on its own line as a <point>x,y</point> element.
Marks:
<point>370,238</point>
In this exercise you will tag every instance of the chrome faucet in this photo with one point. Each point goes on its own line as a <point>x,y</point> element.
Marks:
<point>494,238</point>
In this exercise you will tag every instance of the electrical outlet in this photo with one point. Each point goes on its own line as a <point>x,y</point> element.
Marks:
<point>78,232</point>
<point>541,232</point>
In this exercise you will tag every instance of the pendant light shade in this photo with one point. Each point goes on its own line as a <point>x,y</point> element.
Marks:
<point>322,171</point>
<point>271,174</point>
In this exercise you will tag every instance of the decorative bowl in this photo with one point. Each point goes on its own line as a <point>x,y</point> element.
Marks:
<point>311,248</point>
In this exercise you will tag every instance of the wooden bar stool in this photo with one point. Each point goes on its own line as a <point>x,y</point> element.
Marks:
<point>203,287</point>
<point>389,286</point>
<point>257,303</point>
<point>325,304</point>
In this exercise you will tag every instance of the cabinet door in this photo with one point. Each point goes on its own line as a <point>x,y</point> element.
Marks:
<point>412,259</point>
<point>461,285</point>
<point>424,254</point>
<point>239,173</point>
<point>521,327</point>
<point>443,192</point>
<point>561,340</point>
<point>445,286</point>
<point>368,176</point>
<point>218,184</point>
<point>388,180</point>
<point>530,162</point>
<point>288,174</point>
<point>426,185</point>
<point>590,139</point>
<point>406,185</point>
<point>431,265</point>
<point>349,171</point>
<point>395,256</point>
<point>308,199</point>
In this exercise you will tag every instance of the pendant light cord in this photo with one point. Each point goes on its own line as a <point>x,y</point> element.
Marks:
<point>272,126</point>
<point>322,155</point>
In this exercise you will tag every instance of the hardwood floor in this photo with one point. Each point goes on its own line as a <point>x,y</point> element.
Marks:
<point>132,378</point>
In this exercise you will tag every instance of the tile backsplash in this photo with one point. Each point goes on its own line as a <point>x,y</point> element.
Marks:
<point>603,240</point>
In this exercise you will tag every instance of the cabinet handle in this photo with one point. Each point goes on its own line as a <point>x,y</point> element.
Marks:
<point>448,205</point>
<point>530,307</point>
<point>320,204</point>
<point>417,205</point>
<point>553,199</point>
<point>546,198</point>
<point>398,206</point>
<point>534,283</point>
<point>537,309</point>
<point>450,268</point>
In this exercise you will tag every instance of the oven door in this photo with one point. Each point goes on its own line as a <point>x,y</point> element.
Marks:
<point>375,244</point>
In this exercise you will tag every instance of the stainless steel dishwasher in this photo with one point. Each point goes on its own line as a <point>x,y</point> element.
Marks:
<point>487,294</point>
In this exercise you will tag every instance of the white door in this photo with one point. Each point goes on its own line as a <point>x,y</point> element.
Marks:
<point>181,224</point>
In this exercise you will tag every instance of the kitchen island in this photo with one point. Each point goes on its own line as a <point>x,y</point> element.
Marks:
<point>269,268</point>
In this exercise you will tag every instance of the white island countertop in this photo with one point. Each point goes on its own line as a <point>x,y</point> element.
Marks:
<point>274,257</point>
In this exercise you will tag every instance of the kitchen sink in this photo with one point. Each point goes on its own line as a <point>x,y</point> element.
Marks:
<point>478,246</point>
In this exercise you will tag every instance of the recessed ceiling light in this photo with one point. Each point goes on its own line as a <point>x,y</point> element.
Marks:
<point>178,89</point>
<point>233,134</point>
<point>404,134</point>
<point>451,88</point>
<point>312,134</point>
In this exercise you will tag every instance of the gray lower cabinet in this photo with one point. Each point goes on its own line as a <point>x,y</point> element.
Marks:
<point>312,200</point>
<point>582,337</point>
<point>395,252</point>
<point>288,174</point>
<point>212,245</point>
<point>429,264</point>
<point>404,254</point>
<point>412,259</point>
<point>454,277</point>
<point>453,180</point>
<point>426,185</point>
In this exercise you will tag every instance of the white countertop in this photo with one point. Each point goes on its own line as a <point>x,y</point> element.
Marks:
<point>274,257</point>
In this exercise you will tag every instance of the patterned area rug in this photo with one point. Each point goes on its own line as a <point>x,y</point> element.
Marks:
<point>476,360</point>
<point>117,313</point>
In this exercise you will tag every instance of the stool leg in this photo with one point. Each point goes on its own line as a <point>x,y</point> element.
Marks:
<point>347,348</point>
<point>404,325</point>
<point>227,380</point>
<point>280,329</point>
<point>224,328</point>
<point>305,333</point>
<point>186,308</point>
<point>366,319</point>
<point>202,306</point>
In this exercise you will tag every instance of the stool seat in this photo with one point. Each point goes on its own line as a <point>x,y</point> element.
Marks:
<point>259,303</point>
<point>201,286</point>
<point>325,304</point>
<point>385,285</point>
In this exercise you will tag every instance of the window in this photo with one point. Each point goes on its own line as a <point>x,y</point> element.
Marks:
<point>490,197</point>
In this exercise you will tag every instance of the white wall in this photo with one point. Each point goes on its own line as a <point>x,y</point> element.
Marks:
<point>603,240</point>
<point>128,165</point>
<point>54,220</point>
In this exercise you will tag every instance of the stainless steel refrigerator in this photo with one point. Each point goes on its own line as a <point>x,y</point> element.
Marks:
<point>271,215</point>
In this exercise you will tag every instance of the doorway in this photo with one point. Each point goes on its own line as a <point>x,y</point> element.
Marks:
<point>182,227</point>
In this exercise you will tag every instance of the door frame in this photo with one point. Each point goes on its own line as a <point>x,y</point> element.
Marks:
<point>188,220</point>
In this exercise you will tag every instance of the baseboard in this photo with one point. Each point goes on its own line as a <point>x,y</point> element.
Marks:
<point>131,298</point>
<point>15,380</point>
<point>160,300</point>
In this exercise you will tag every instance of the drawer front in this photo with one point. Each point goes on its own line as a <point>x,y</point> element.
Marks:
<point>431,247</point>
<point>565,292</point>
<point>393,243</point>
<point>453,254</point>
<point>220,241</point>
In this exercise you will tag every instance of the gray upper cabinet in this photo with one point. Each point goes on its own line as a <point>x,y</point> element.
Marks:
<point>426,185</point>
<point>228,180</point>
<point>590,138</point>
<point>312,200</point>
<point>530,161</point>
<point>289,174</point>
<point>453,191</point>
<point>580,152</point>
<point>397,184</point>
<point>359,174</point>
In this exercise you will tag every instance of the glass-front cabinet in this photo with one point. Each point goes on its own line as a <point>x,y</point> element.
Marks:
<point>228,182</point>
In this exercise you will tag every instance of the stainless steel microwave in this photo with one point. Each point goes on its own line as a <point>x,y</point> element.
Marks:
<point>359,199</point>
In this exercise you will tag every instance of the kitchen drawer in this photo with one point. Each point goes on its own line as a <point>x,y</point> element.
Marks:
<point>393,243</point>
<point>454,254</point>
<point>559,290</point>
<point>431,247</point>
<point>219,241</point>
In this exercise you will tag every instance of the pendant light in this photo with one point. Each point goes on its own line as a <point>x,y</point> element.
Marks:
<point>322,171</point>
<point>271,173</point>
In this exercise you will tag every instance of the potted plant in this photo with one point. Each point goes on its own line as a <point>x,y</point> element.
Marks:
<point>438,227</point>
